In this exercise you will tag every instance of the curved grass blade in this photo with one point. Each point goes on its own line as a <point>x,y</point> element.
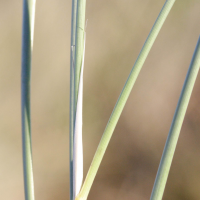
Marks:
<point>175,129</point>
<point>27,45</point>
<point>122,100</point>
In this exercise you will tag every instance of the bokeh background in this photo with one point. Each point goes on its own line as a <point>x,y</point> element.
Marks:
<point>116,31</point>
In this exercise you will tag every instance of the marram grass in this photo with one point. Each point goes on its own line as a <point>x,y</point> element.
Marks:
<point>76,81</point>
<point>122,100</point>
<point>27,45</point>
<point>175,129</point>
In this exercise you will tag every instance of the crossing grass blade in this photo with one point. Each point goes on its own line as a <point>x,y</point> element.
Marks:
<point>122,100</point>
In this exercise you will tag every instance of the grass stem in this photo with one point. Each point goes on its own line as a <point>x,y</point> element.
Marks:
<point>175,129</point>
<point>27,45</point>
<point>79,44</point>
<point>77,51</point>
<point>72,107</point>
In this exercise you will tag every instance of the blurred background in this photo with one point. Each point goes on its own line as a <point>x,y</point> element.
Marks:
<point>116,31</point>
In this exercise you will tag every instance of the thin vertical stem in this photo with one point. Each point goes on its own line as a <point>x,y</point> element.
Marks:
<point>72,105</point>
<point>175,129</point>
<point>27,45</point>
<point>122,100</point>
<point>79,45</point>
<point>77,50</point>
<point>78,144</point>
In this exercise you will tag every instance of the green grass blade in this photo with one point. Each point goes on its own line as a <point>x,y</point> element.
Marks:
<point>79,44</point>
<point>72,107</point>
<point>122,100</point>
<point>27,44</point>
<point>77,51</point>
<point>174,132</point>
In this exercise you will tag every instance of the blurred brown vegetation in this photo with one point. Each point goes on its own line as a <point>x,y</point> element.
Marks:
<point>116,31</point>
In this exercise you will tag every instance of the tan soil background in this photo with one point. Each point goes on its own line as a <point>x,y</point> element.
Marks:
<point>116,31</point>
